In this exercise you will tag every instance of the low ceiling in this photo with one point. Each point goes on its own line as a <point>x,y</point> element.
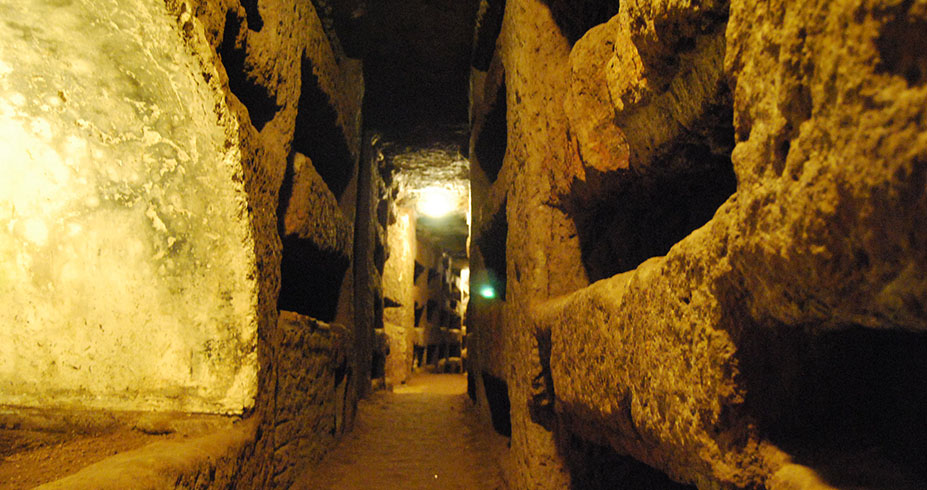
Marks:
<point>416,72</point>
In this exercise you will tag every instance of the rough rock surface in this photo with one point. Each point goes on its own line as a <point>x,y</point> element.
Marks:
<point>297,101</point>
<point>775,339</point>
<point>399,293</point>
<point>121,205</point>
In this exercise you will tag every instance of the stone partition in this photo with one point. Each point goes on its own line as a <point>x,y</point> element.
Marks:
<point>399,296</point>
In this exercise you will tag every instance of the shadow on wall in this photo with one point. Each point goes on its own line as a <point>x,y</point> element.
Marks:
<point>492,243</point>
<point>850,403</point>
<point>574,17</point>
<point>310,279</point>
<point>624,218</point>
<point>492,139</point>
<point>262,105</point>
<point>497,395</point>
<point>318,134</point>
<point>595,467</point>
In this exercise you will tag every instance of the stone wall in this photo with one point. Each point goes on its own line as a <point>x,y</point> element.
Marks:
<point>301,148</point>
<point>743,183</point>
<point>127,260</point>
<point>399,296</point>
<point>282,120</point>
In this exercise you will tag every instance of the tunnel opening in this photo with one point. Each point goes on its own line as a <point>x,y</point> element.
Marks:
<point>253,15</point>
<point>261,104</point>
<point>310,279</point>
<point>497,397</point>
<point>625,217</point>
<point>596,467</point>
<point>902,45</point>
<point>574,18</point>
<point>849,403</point>
<point>492,137</point>
<point>318,134</point>
<point>489,25</point>
<point>418,314</point>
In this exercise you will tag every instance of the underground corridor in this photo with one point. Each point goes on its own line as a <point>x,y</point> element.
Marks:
<point>463,244</point>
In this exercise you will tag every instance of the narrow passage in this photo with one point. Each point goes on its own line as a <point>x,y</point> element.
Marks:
<point>423,435</point>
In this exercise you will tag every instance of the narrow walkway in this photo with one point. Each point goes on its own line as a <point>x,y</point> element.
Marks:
<point>424,435</point>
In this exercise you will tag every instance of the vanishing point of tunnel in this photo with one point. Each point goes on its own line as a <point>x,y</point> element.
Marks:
<point>463,244</point>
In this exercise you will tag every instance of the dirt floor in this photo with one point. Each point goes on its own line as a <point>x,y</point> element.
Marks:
<point>32,457</point>
<point>39,446</point>
<point>423,435</point>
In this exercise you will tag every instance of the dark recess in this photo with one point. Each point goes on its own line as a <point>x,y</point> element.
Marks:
<point>318,135</point>
<point>391,303</point>
<point>383,214</point>
<point>418,315</point>
<point>902,46</point>
<point>378,365</point>
<point>487,31</point>
<point>432,310</point>
<point>417,271</point>
<point>262,106</point>
<point>379,256</point>
<point>497,395</point>
<point>255,22</point>
<point>471,385</point>
<point>827,396</point>
<point>492,243</point>
<point>624,218</point>
<point>332,20</point>
<point>418,355</point>
<point>492,139</point>
<point>575,17</point>
<point>310,279</point>
<point>541,404</point>
<point>595,467</point>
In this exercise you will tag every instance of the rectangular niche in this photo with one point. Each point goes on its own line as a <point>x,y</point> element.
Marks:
<point>126,257</point>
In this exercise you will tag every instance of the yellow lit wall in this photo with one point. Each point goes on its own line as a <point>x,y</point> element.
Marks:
<point>398,286</point>
<point>126,260</point>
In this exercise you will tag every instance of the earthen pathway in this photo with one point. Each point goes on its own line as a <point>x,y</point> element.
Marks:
<point>423,435</point>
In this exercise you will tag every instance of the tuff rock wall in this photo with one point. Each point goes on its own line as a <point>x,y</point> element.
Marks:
<point>709,218</point>
<point>126,252</point>
<point>288,100</point>
<point>288,78</point>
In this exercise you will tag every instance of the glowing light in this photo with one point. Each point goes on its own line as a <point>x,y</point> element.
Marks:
<point>435,202</point>
<point>487,291</point>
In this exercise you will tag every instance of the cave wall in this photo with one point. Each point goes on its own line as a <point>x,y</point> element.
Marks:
<point>714,257</point>
<point>399,296</point>
<point>299,100</point>
<point>277,164</point>
<point>127,267</point>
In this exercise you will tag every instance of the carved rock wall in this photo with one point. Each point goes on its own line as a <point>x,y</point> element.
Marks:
<point>746,183</point>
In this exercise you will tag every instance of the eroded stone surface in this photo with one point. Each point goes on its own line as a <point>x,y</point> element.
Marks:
<point>774,345</point>
<point>126,252</point>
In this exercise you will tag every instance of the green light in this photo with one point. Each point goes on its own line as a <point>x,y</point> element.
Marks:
<point>487,291</point>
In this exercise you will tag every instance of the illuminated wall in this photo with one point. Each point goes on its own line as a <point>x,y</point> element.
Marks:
<point>126,259</point>
<point>398,290</point>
